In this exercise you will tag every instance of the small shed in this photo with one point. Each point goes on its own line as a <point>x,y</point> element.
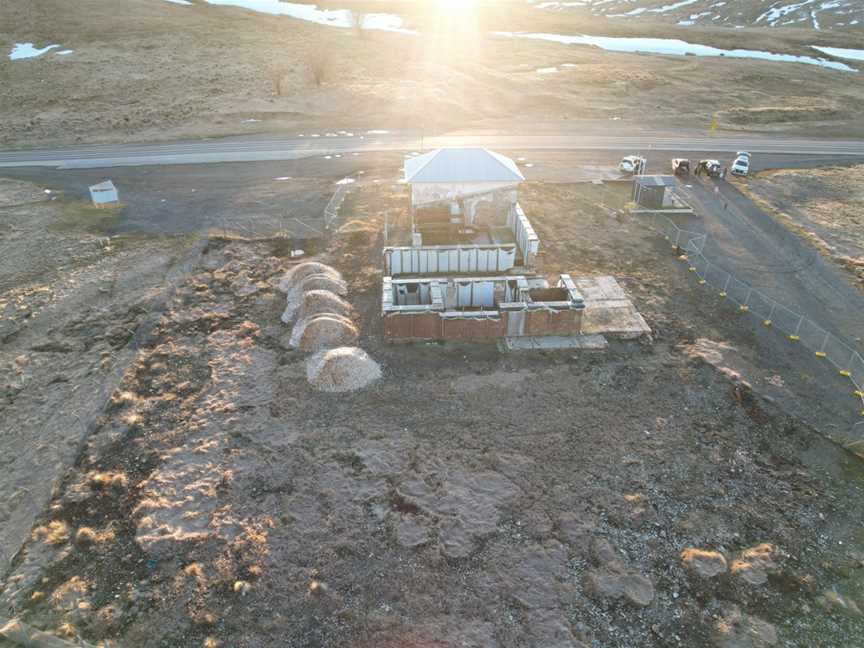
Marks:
<point>104,194</point>
<point>462,175</point>
<point>650,191</point>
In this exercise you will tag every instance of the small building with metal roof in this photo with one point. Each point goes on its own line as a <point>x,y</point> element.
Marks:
<point>104,194</point>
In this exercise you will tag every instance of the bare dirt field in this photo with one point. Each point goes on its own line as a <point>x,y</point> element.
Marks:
<point>72,303</point>
<point>159,71</point>
<point>822,206</point>
<point>645,496</point>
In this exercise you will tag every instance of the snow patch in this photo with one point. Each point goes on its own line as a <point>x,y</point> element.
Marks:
<point>841,52</point>
<point>28,50</point>
<point>342,18</point>
<point>674,47</point>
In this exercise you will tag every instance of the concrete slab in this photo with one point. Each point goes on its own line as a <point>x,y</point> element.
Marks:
<point>551,342</point>
<point>608,310</point>
<point>599,288</point>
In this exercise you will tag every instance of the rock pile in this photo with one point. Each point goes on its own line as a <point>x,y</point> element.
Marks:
<point>299,272</point>
<point>318,302</point>
<point>323,324</point>
<point>323,331</point>
<point>341,370</point>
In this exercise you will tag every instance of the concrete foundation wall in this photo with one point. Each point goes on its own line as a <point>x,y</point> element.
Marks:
<point>482,325</point>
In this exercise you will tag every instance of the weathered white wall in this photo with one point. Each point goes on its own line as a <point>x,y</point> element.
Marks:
<point>428,192</point>
<point>525,235</point>
<point>455,259</point>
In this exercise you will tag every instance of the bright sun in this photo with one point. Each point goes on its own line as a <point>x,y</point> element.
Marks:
<point>452,5</point>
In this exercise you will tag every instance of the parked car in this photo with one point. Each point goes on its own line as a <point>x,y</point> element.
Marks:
<point>741,165</point>
<point>711,168</point>
<point>680,166</point>
<point>632,165</point>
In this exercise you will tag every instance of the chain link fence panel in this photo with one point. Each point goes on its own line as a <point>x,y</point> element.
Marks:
<point>737,291</point>
<point>812,337</point>
<point>761,306</point>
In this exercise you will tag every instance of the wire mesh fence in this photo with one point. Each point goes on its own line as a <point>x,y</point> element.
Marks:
<point>331,211</point>
<point>797,328</point>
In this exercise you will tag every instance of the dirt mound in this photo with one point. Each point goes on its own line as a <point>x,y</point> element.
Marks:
<point>319,302</point>
<point>357,226</point>
<point>298,273</point>
<point>341,370</point>
<point>323,332</point>
<point>314,282</point>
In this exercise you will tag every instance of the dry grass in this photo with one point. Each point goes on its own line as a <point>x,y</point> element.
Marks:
<point>54,533</point>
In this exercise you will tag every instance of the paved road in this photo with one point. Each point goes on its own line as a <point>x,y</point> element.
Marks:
<point>269,148</point>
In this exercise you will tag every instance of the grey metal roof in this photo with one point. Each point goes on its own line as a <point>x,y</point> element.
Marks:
<point>105,185</point>
<point>655,180</point>
<point>462,165</point>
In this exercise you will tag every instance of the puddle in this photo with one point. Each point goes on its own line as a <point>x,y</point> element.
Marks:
<point>346,181</point>
<point>28,50</point>
<point>673,46</point>
<point>841,52</point>
<point>342,18</point>
<point>65,52</point>
<point>180,2</point>
<point>547,70</point>
<point>378,132</point>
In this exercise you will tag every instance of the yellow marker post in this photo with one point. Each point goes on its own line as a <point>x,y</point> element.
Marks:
<point>743,308</point>
<point>767,322</point>
<point>845,373</point>
<point>723,294</point>
<point>701,282</point>
<point>794,338</point>
<point>821,354</point>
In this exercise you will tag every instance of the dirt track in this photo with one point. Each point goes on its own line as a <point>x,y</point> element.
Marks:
<point>469,498</point>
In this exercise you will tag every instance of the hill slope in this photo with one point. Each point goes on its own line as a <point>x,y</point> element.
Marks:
<point>816,14</point>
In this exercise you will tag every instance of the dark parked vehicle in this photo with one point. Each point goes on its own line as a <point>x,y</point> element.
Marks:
<point>681,166</point>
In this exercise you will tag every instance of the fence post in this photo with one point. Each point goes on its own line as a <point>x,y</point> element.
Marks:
<point>821,352</point>
<point>703,279</point>
<point>847,372</point>
<point>744,306</point>
<point>795,337</point>
<point>768,321</point>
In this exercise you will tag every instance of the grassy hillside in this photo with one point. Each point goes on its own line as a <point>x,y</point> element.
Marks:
<point>159,70</point>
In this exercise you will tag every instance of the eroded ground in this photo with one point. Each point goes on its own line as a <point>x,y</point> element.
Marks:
<point>72,301</point>
<point>469,498</point>
<point>822,206</point>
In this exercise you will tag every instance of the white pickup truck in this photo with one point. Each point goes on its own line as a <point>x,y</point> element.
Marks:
<point>741,165</point>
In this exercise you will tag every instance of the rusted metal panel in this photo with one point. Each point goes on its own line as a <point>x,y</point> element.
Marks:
<point>551,322</point>
<point>397,327</point>
<point>473,328</point>
<point>428,326</point>
<point>413,326</point>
